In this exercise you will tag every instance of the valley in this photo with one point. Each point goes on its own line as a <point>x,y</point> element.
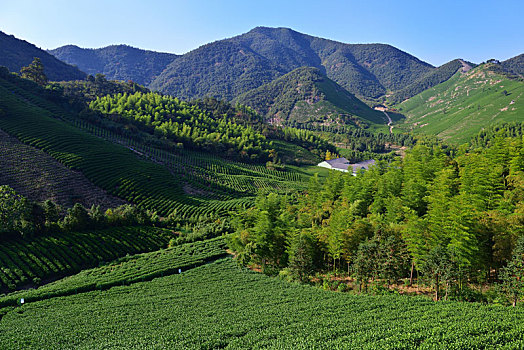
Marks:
<point>159,200</point>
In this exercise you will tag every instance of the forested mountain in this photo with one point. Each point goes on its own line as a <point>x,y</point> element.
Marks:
<point>459,108</point>
<point>514,65</point>
<point>16,53</point>
<point>116,62</point>
<point>305,97</point>
<point>229,67</point>
<point>434,77</point>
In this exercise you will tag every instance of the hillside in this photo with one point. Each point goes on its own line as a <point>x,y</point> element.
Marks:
<point>514,65</point>
<point>230,67</point>
<point>459,108</point>
<point>116,62</point>
<point>38,177</point>
<point>16,53</point>
<point>141,168</point>
<point>306,98</point>
<point>434,77</point>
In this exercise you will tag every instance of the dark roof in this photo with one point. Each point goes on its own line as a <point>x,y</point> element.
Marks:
<point>362,165</point>
<point>339,163</point>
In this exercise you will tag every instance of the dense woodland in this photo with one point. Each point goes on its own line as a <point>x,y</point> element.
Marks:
<point>450,217</point>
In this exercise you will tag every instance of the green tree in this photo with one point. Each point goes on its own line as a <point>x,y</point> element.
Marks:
<point>302,251</point>
<point>35,72</point>
<point>77,218</point>
<point>14,212</point>
<point>513,274</point>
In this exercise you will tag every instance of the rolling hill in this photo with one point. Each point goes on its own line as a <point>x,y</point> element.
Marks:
<point>230,67</point>
<point>514,65</point>
<point>116,62</point>
<point>459,108</point>
<point>306,97</point>
<point>16,53</point>
<point>435,77</point>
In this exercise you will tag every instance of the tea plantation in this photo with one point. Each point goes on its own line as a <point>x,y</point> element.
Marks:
<point>220,305</point>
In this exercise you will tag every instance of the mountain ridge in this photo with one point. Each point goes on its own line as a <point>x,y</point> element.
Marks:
<point>116,62</point>
<point>17,53</point>
<point>261,55</point>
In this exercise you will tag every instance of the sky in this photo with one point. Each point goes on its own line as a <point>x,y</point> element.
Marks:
<point>433,31</point>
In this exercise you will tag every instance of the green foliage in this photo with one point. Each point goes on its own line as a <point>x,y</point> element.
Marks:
<point>181,122</point>
<point>513,274</point>
<point>452,214</point>
<point>14,212</point>
<point>514,65</point>
<point>128,269</point>
<point>434,77</point>
<point>35,72</point>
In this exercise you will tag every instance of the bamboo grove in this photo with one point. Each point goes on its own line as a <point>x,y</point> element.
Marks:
<point>449,217</point>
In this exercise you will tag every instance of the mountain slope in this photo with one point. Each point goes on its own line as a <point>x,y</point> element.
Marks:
<point>305,96</point>
<point>38,177</point>
<point>514,65</point>
<point>16,53</point>
<point>117,62</point>
<point>459,108</point>
<point>434,77</point>
<point>230,67</point>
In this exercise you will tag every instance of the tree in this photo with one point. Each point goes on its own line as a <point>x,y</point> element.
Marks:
<point>14,212</point>
<point>513,274</point>
<point>77,218</point>
<point>439,268</point>
<point>302,255</point>
<point>35,72</point>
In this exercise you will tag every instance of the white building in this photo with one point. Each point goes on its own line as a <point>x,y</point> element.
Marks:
<point>342,164</point>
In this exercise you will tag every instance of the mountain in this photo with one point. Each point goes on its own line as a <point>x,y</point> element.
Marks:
<point>230,67</point>
<point>434,77</point>
<point>16,53</point>
<point>305,96</point>
<point>117,62</point>
<point>459,108</point>
<point>514,65</point>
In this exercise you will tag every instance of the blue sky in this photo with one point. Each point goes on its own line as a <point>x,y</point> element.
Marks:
<point>434,31</point>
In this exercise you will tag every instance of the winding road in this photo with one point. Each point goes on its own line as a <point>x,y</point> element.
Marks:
<point>389,122</point>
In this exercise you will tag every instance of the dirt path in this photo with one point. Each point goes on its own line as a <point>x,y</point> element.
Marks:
<point>389,122</point>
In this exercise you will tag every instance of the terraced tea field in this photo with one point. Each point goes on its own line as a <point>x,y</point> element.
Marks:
<point>190,184</point>
<point>220,305</point>
<point>38,177</point>
<point>35,261</point>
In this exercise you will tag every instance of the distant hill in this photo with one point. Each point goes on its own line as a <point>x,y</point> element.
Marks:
<point>459,108</point>
<point>16,53</point>
<point>117,62</point>
<point>230,67</point>
<point>514,65</point>
<point>434,77</point>
<point>304,96</point>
